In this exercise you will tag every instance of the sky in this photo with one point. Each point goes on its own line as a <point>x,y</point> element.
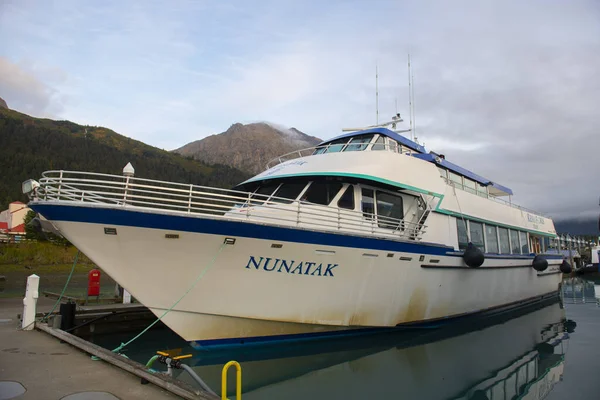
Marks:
<point>507,89</point>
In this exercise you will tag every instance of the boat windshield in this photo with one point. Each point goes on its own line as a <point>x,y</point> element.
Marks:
<point>359,143</point>
<point>354,143</point>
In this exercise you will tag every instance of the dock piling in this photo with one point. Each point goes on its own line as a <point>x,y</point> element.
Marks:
<point>30,302</point>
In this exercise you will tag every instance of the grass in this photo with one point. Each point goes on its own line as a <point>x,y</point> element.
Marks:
<point>40,255</point>
<point>49,261</point>
<point>46,269</point>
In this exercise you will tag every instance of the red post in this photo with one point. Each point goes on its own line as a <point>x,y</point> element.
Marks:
<point>94,283</point>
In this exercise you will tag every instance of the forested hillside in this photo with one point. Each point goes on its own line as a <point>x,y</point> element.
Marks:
<point>29,146</point>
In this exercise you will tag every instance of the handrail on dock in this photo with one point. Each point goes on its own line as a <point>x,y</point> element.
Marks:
<point>238,386</point>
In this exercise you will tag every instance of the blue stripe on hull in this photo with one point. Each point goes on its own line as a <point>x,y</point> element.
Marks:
<point>217,344</point>
<point>227,228</point>
<point>245,229</point>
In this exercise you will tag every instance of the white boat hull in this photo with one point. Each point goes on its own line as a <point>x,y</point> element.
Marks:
<point>252,289</point>
<point>433,366</point>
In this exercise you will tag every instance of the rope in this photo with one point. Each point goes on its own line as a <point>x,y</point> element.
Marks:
<point>461,213</point>
<point>45,317</point>
<point>210,265</point>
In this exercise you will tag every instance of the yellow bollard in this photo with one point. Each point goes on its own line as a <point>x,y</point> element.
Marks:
<point>238,389</point>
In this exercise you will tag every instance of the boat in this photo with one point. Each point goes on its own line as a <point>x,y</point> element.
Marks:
<point>593,265</point>
<point>366,231</point>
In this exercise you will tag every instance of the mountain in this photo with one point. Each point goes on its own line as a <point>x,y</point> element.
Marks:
<point>29,146</point>
<point>248,147</point>
<point>578,227</point>
<point>3,103</point>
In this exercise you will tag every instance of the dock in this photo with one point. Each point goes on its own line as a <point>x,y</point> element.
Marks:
<point>51,364</point>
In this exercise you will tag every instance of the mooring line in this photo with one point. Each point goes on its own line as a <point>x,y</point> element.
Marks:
<point>45,317</point>
<point>210,265</point>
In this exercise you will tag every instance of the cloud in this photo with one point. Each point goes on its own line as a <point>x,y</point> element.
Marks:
<point>23,91</point>
<point>506,89</point>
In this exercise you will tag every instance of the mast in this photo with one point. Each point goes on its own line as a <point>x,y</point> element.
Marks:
<point>410,109</point>
<point>413,108</point>
<point>376,96</point>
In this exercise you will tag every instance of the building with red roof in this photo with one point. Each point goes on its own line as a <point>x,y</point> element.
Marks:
<point>12,222</point>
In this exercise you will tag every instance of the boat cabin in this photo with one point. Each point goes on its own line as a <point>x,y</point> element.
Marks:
<point>382,139</point>
<point>385,206</point>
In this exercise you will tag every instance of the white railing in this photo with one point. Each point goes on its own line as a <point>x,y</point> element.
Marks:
<point>490,197</point>
<point>311,151</point>
<point>130,192</point>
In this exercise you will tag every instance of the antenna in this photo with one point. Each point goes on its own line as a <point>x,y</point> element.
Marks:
<point>376,96</point>
<point>410,100</point>
<point>414,118</point>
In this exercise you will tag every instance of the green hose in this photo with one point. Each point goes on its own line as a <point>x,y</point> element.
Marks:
<point>151,361</point>
<point>45,317</point>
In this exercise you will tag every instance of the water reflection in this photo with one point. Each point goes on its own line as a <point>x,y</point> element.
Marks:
<point>577,290</point>
<point>516,355</point>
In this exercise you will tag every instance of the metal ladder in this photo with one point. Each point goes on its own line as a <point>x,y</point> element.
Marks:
<point>421,223</point>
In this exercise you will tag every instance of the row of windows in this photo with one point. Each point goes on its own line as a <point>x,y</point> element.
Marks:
<point>491,238</point>
<point>464,183</point>
<point>386,208</point>
<point>361,142</point>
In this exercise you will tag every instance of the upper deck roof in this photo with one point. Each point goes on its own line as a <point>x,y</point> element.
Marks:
<point>431,157</point>
<point>382,131</point>
<point>434,158</point>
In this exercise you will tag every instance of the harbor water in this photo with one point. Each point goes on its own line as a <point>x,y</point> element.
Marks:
<point>548,351</point>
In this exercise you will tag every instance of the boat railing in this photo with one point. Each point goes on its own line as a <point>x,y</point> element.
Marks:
<point>309,151</point>
<point>513,205</point>
<point>132,192</point>
<point>491,197</point>
<point>293,155</point>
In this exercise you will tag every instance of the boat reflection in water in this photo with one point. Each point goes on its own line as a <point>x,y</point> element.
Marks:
<point>516,355</point>
<point>576,290</point>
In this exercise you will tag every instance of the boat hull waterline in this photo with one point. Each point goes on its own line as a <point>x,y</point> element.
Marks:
<point>276,281</point>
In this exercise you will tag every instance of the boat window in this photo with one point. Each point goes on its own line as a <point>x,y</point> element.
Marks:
<point>320,150</point>
<point>443,173</point>
<point>389,210</point>
<point>504,240</point>
<point>514,242</point>
<point>476,230</point>
<point>359,143</point>
<point>482,190</point>
<point>463,238</point>
<point>264,191</point>
<point>524,244</point>
<point>470,186</point>
<point>379,143</point>
<point>368,207</point>
<point>321,192</point>
<point>336,146</point>
<point>289,191</point>
<point>491,239</point>
<point>457,179</point>
<point>347,199</point>
<point>536,246</point>
<point>393,145</point>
